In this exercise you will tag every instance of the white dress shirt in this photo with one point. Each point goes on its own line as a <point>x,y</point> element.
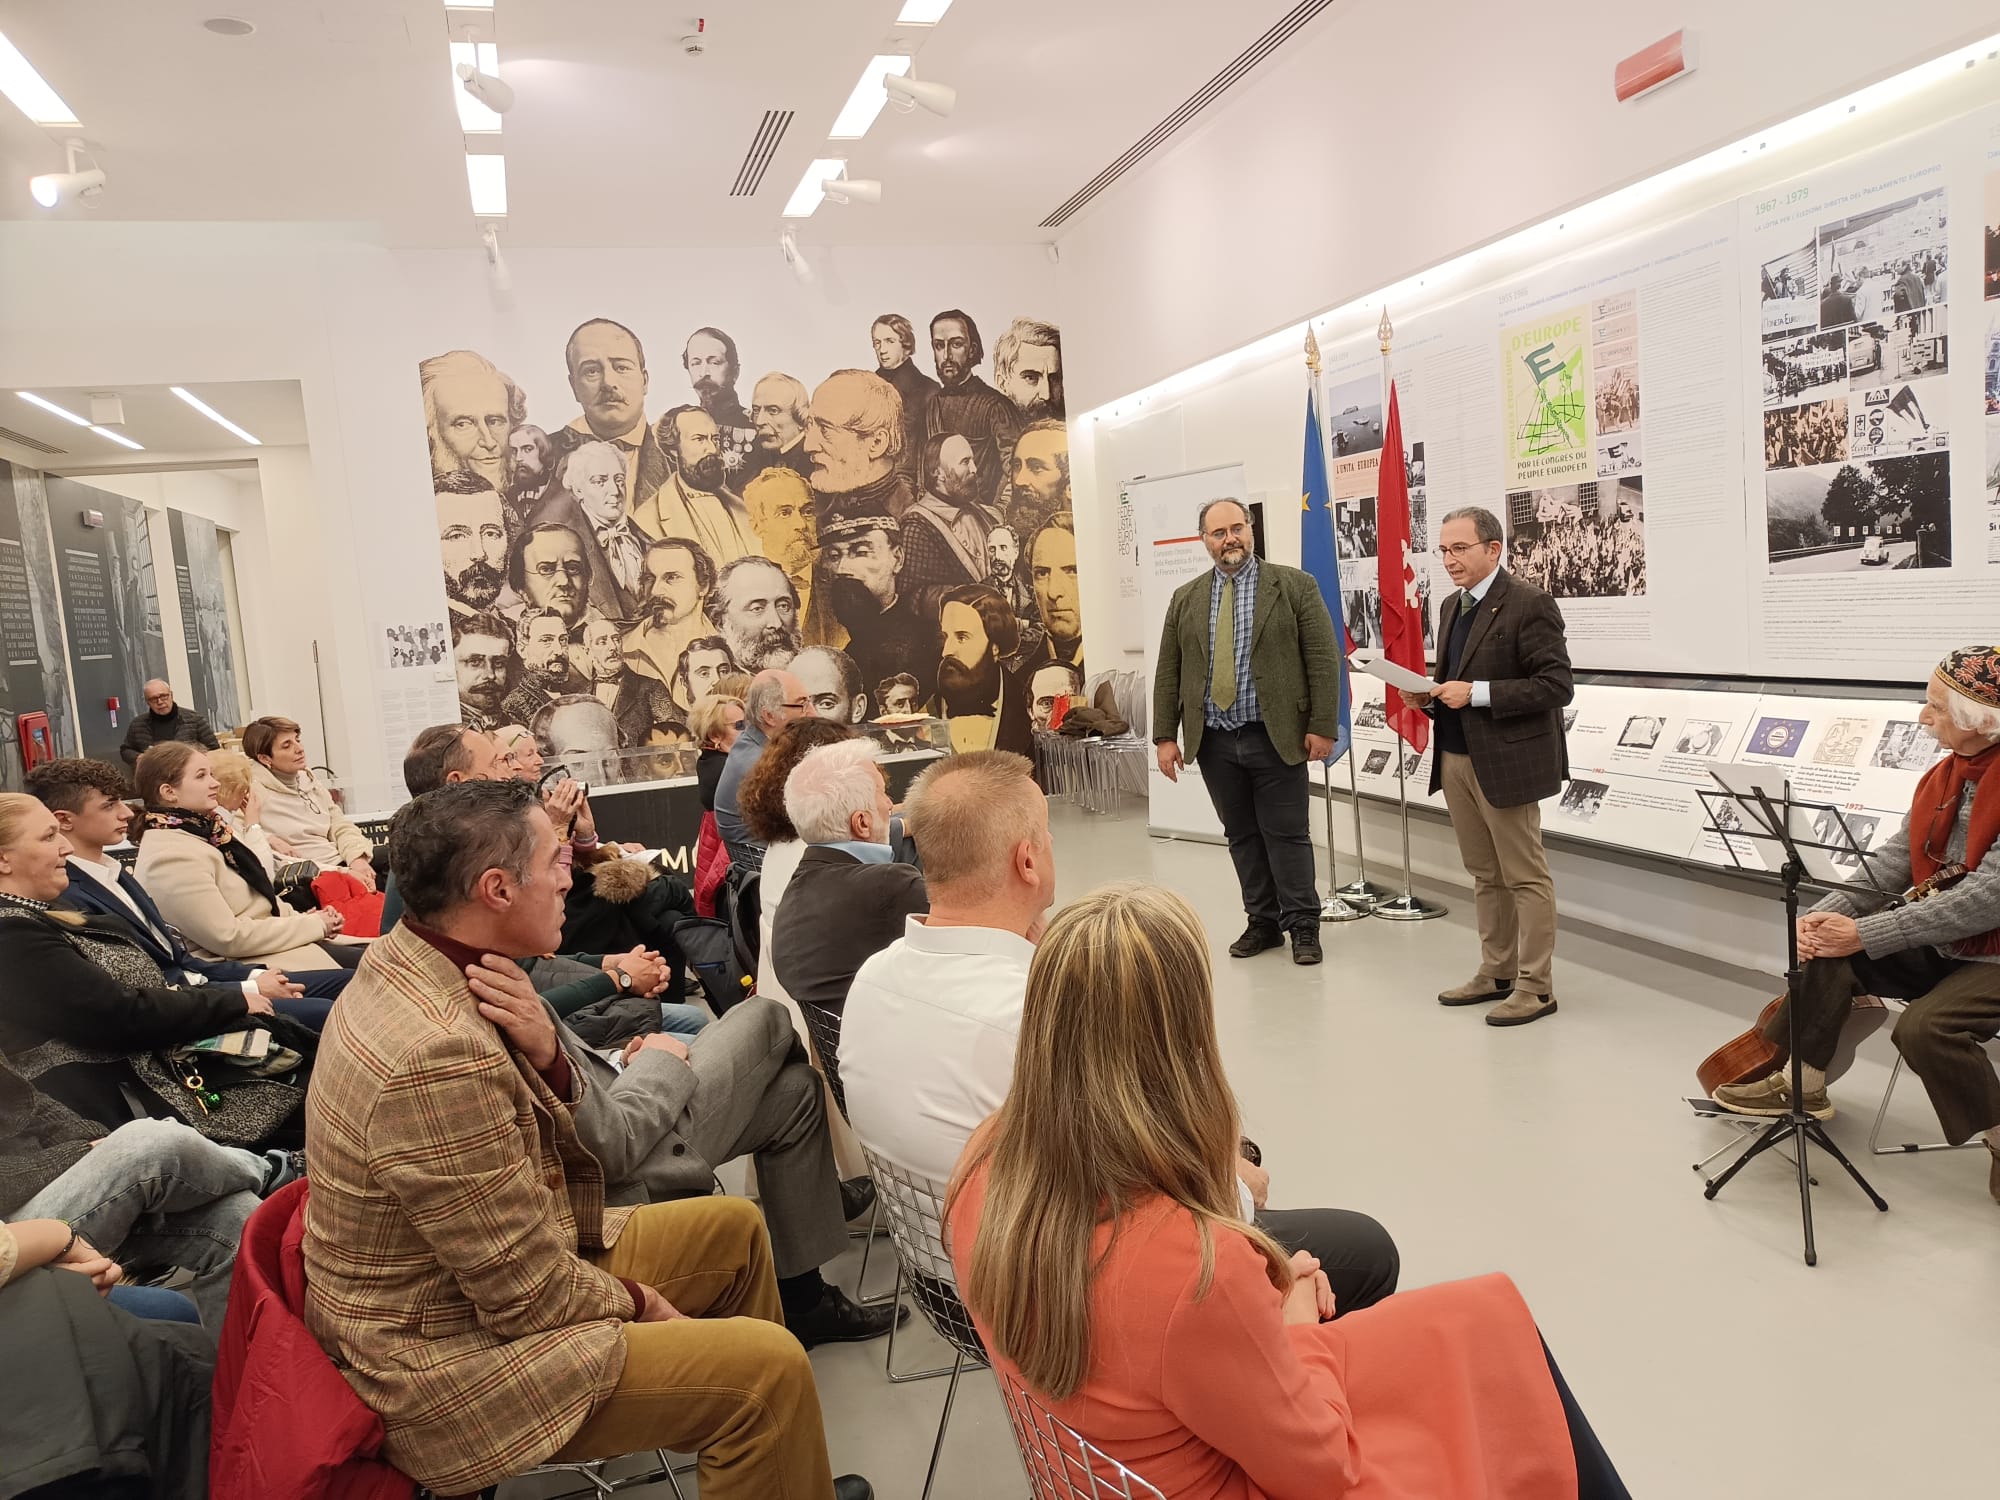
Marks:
<point>927,1041</point>
<point>106,875</point>
<point>781,862</point>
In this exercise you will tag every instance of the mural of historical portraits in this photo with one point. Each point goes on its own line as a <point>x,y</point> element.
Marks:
<point>899,537</point>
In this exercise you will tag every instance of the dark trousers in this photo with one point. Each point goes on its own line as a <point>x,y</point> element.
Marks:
<point>1265,810</point>
<point>1954,1010</point>
<point>1360,1260</point>
<point>1596,1479</point>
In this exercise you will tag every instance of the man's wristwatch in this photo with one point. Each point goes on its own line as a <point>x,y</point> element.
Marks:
<point>623,980</point>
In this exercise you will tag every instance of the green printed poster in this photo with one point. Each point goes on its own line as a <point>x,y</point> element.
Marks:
<point>1545,377</point>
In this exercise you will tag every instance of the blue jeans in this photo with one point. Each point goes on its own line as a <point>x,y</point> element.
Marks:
<point>320,986</point>
<point>155,1303</point>
<point>157,1192</point>
<point>682,1020</point>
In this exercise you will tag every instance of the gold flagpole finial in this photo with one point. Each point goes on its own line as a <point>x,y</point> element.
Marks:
<point>1312,350</point>
<point>1385,330</point>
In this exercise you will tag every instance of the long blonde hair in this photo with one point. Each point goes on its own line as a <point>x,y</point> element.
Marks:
<point>1118,1096</point>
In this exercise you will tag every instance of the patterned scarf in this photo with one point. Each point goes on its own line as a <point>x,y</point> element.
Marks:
<point>214,830</point>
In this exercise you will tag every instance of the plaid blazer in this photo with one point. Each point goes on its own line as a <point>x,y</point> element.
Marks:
<point>1517,646</point>
<point>450,1196</point>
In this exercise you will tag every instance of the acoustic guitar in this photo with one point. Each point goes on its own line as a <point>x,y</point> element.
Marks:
<point>1748,1057</point>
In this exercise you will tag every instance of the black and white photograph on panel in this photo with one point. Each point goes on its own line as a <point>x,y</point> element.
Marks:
<point>1701,737</point>
<point>1814,432</point>
<point>1369,714</point>
<point>1377,762</point>
<point>1641,732</point>
<point>1362,610</point>
<point>1355,426</point>
<point>1889,260</point>
<point>1354,528</point>
<point>1860,517</point>
<point>1414,466</point>
<point>1569,719</point>
<point>1583,800</point>
<point>1807,368</point>
<point>1410,763</point>
<point>1580,541</point>
<point>1774,736</point>
<point>1891,420</point>
<point>1790,292</point>
<point>1859,830</point>
<point>1843,742</point>
<point>1905,746</point>
<point>1616,398</point>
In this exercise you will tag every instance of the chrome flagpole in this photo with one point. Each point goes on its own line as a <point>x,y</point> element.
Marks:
<point>1361,891</point>
<point>1341,904</point>
<point>1409,906</point>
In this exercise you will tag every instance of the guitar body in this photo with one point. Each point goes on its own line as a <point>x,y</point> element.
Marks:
<point>1746,1058</point>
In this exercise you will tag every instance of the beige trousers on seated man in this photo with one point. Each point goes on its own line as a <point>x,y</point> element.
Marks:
<point>1513,894</point>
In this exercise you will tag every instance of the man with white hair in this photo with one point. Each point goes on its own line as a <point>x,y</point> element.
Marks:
<point>779,405</point>
<point>773,700</point>
<point>848,899</point>
<point>1940,952</point>
<point>931,1023</point>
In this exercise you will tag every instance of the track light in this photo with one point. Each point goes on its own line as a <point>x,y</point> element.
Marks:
<point>52,188</point>
<point>489,89</point>
<point>907,93</point>
<point>503,279</point>
<point>788,246</point>
<point>852,189</point>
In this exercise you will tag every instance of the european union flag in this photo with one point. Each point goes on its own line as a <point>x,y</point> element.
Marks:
<point>1319,556</point>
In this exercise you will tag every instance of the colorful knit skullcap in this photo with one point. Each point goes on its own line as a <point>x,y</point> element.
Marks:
<point>1975,672</point>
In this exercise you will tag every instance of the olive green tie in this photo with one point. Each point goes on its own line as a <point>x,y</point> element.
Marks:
<point>1222,678</point>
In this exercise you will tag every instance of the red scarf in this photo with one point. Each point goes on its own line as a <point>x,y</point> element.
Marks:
<point>1934,813</point>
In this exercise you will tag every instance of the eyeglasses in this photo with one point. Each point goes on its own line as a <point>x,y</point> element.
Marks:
<point>737,724</point>
<point>799,707</point>
<point>1459,549</point>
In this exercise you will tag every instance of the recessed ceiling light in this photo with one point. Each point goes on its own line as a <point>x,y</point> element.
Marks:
<point>468,4</point>
<point>922,12</point>
<point>228,26</point>
<point>118,437</point>
<point>474,117</point>
<point>212,414</point>
<point>807,196</point>
<point>866,102</point>
<point>487,177</point>
<point>29,90</point>
<point>46,405</point>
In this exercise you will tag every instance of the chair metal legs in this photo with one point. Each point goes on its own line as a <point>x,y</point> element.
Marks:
<point>944,1421</point>
<point>1907,1147</point>
<point>874,1228</point>
<point>889,1359</point>
<point>591,1471</point>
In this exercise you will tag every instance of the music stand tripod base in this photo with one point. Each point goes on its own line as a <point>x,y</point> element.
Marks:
<point>1334,909</point>
<point>1409,907</point>
<point>1365,895</point>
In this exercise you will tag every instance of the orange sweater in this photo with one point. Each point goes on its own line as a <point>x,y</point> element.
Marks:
<point>1437,1394</point>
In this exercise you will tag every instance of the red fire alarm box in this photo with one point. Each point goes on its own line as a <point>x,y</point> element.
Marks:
<point>37,744</point>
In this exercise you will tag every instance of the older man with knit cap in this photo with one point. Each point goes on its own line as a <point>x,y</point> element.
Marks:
<point>1939,950</point>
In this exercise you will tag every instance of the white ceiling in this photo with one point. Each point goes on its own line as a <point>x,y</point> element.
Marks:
<point>341,110</point>
<point>170,430</point>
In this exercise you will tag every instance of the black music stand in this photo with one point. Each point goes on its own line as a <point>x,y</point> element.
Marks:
<point>1769,821</point>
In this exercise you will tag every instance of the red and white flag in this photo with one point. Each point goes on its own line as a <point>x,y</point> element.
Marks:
<point>1402,608</point>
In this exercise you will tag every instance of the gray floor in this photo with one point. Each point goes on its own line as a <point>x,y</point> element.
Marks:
<point>1560,1154</point>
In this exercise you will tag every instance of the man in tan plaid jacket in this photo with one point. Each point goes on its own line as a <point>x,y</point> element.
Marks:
<point>462,1269</point>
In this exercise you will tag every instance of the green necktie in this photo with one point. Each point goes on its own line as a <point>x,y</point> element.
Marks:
<point>1222,676</point>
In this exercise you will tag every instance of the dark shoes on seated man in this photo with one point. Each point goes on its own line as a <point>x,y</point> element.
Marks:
<point>1515,1009</point>
<point>1259,937</point>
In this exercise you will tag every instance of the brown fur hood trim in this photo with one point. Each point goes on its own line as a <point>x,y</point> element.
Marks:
<point>621,880</point>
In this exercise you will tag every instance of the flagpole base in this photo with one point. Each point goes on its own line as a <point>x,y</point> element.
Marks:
<point>1333,909</point>
<point>1409,908</point>
<point>1365,894</point>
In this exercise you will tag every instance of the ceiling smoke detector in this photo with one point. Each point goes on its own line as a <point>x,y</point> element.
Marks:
<point>695,43</point>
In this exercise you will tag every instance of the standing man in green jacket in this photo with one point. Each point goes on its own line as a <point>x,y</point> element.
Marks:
<point>1249,668</point>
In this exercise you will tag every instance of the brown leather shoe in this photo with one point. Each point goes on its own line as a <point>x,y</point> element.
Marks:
<point>1521,1007</point>
<point>1477,990</point>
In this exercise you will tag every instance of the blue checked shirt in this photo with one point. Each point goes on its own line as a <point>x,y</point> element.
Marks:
<point>1246,709</point>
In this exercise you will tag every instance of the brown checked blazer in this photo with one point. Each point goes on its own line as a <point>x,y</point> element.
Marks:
<point>1517,646</point>
<point>450,1196</point>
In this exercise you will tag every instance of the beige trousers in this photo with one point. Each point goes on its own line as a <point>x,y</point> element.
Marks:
<point>1512,893</point>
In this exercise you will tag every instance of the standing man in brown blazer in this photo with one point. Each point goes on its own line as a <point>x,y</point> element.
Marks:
<point>1503,678</point>
<point>462,1269</point>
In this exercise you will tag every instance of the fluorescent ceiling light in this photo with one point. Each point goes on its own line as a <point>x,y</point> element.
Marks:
<point>49,406</point>
<point>475,118</point>
<point>118,437</point>
<point>866,102</point>
<point>29,90</point>
<point>807,196</point>
<point>212,414</point>
<point>487,176</point>
<point>922,12</point>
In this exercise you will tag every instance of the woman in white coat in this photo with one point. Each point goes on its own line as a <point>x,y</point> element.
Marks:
<point>297,812</point>
<point>209,883</point>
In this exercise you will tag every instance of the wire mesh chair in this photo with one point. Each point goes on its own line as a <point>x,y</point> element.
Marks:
<point>915,1209</point>
<point>1905,1148</point>
<point>1062,1463</point>
<point>823,1026</point>
<point>591,1471</point>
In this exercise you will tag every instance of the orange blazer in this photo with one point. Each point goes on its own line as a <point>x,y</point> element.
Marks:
<point>1438,1394</point>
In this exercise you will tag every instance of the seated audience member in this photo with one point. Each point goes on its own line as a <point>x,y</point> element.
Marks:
<point>210,884</point>
<point>715,723</point>
<point>164,720</point>
<point>775,698</point>
<point>242,807</point>
<point>763,807</point>
<point>88,1016</point>
<point>87,798</point>
<point>152,1192</point>
<point>102,1402</point>
<point>929,1031</point>
<point>297,809</point>
<point>451,1191</point>
<point>1940,952</point>
<point>848,899</point>
<point>520,752</point>
<point>1171,1332</point>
